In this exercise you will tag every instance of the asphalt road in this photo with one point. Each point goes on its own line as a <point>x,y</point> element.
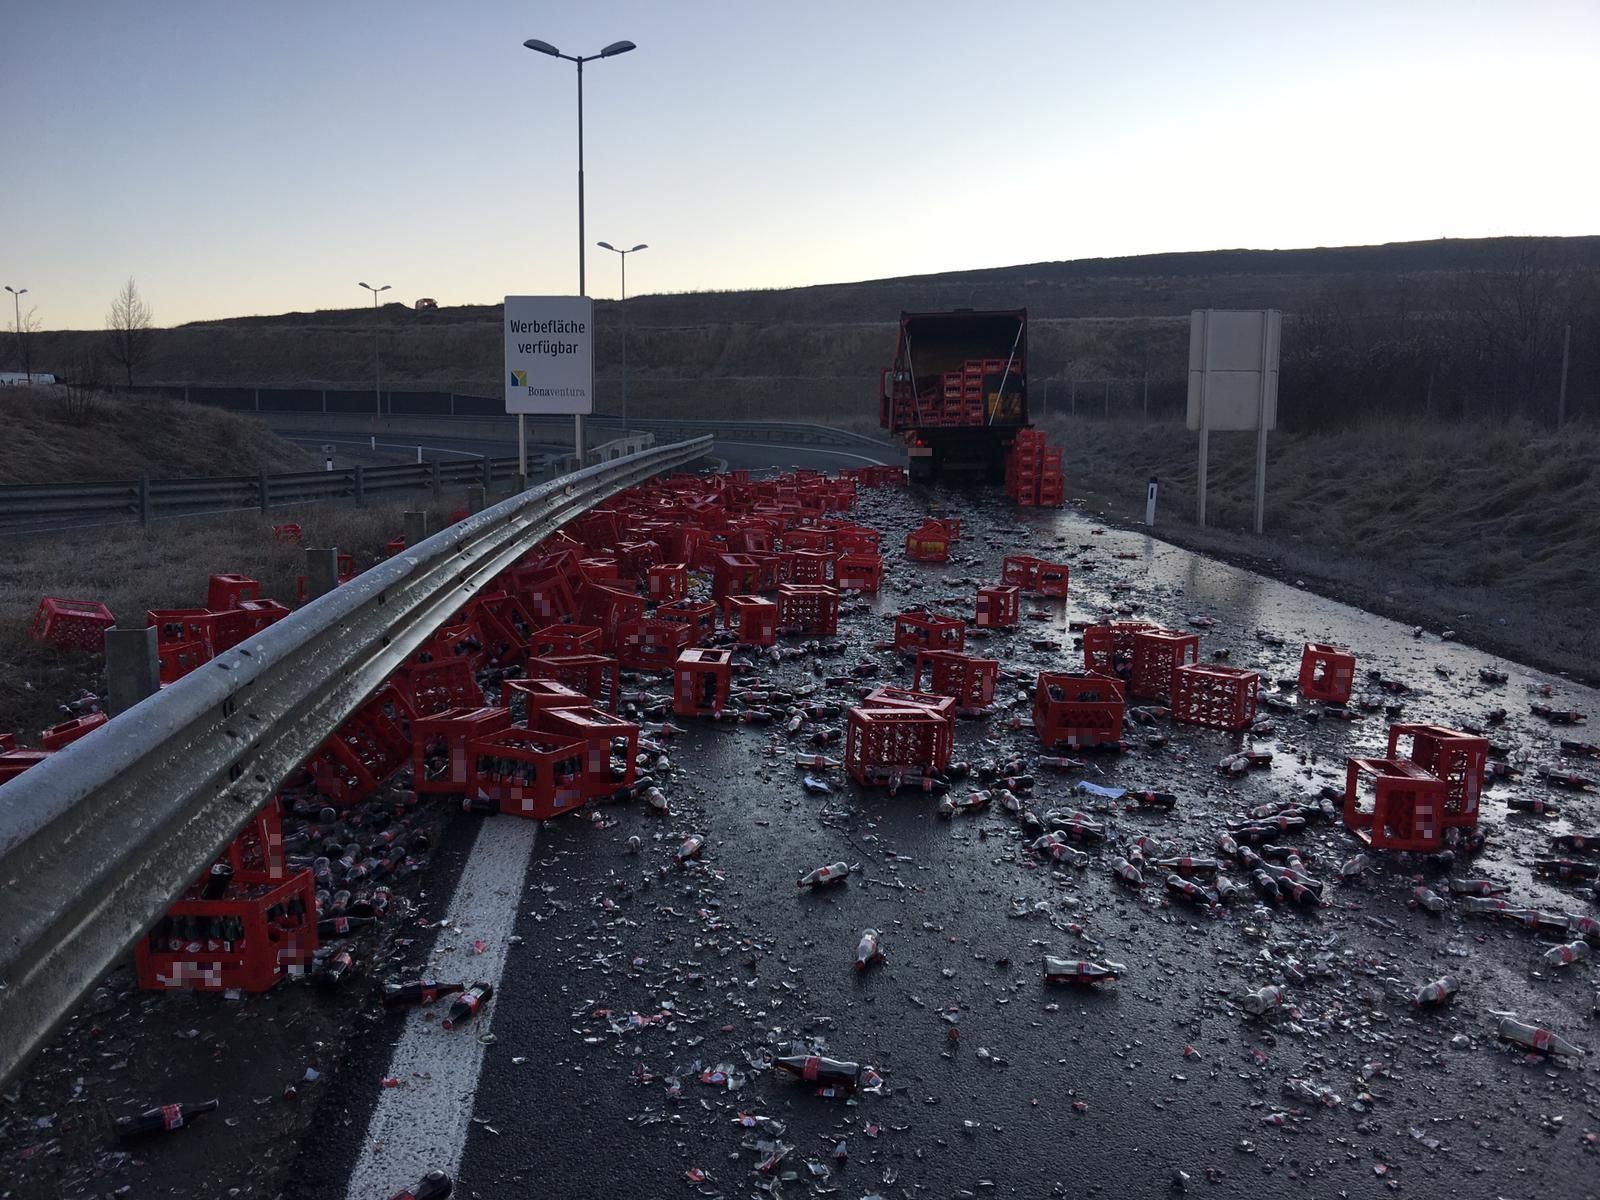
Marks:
<point>624,973</point>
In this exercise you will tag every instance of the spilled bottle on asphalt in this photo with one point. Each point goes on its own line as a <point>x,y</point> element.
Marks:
<point>168,1118</point>
<point>467,1005</point>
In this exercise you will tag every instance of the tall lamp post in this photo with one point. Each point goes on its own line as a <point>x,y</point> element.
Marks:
<point>623,305</point>
<point>22,346</point>
<point>611,51</point>
<point>377,363</point>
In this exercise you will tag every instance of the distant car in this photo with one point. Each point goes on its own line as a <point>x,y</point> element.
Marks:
<point>427,302</point>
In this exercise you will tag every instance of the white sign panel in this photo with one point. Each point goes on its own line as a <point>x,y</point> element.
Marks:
<point>549,354</point>
<point>1233,368</point>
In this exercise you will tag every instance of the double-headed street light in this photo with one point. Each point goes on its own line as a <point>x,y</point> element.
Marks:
<point>611,51</point>
<point>22,346</point>
<point>377,362</point>
<point>623,305</point>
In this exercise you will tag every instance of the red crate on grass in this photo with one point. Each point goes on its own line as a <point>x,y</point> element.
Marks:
<point>1214,696</point>
<point>72,624</point>
<point>753,620</point>
<point>700,615</point>
<point>1077,711</point>
<point>809,610</point>
<point>174,660</point>
<point>15,762</point>
<point>702,679</point>
<point>882,744</point>
<point>8,741</point>
<point>1327,673</point>
<point>1454,757</point>
<point>230,591</point>
<point>1108,649</point>
<point>534,775</point>
<point>565,639</point>
<point>1157,653</point>
<point>595,675</point>
<point>666,582</point>
<point>999,606</point>
<point>652,645</point>
<point>232,626</point>
<point>969,680</point>
<point>929,543</point>
<point>68,732</point>
<point>1407,809</point>
<point>598,731</point>
<point>440,762</point>
<point>914,631</point>
<point>256,935</point>
<point>859,571</point>
<point>288,534</point>
<point>441,683</point>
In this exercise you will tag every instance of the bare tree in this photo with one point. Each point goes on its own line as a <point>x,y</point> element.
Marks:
<point>23,332</point>
<point>128,327</point>
<point>81,389</point>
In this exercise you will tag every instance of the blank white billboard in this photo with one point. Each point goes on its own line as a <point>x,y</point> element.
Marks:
<point>1233,368</point>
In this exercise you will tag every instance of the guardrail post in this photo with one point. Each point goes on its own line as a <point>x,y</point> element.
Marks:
<point>133,670</point>
<point>360,485</point>
<point>488,474</point>
<point>475,497</point>
<point>264,490</point>
<point>519,483</point>
<point>322,571</point>
<point>144,499</point>
<point>416,528</point>
<point>433,474</point>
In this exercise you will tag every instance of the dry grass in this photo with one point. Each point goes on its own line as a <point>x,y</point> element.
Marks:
<point>1491,530</point>
<point>127,438</point>
<point>167,565</point>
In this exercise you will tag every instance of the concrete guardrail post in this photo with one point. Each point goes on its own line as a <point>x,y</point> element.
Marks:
<point>475,496</point>
<point>133,668</point>
<point>416,528</point>
<point>322,571</point>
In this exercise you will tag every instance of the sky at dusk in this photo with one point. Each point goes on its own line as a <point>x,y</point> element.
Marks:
<point>254,158</point>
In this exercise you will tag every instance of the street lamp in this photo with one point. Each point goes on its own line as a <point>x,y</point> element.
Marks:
<point>611,51</point>
<point>377,363</point>
<point>623,305</point>
<point>22,346</point>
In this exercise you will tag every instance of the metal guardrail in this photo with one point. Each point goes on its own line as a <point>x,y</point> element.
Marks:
<point>44,505</point>
<point>98,840</point>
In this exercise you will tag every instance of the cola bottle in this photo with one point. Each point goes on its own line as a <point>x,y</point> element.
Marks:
<point>1354,868</point>
<point>1557,716</point>
<point>1536,805</point>
<point>1567,868</point>
<point>691,848</point>
<point>435,1185</point>
<point>336,968</point>
<point>1185,865</point>
<point>1427,898</point>
<point>835,872</point>
<point>467,1005</point>
<point>1566,955</point>
<point>1161,800</point>
<point>1266,886</point>
<point>1227,845</point>
<point>1582,749</point>
<point>168,1118</point>
<point>339,926</point>
<point>1430,995</point>
<point>656,800</point>
<point>1227,889</point>
<point>419,991</point>
<point>1191,891</point>
<point>1536,1037</point>
<point>826,1072</point>
<point>1581,843</point>
<point>1262,1001</point>
<point>216,881</point>
<point>869,949</point>
<point>816,762</point>
<point>1062,764</point>
<point>483,806</point>
<point>1126,871</point>
<point>1069,970</point>
<point>1476,887</point>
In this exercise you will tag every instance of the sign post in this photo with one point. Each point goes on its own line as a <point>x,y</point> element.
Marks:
<point>1150,502</point>
<point>549,362</point>
<point>1233,385</point>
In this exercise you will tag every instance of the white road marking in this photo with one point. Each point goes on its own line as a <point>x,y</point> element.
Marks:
<point>422,1125</point>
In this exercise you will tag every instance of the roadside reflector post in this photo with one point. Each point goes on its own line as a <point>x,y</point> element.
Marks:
<point>327,463</point>
<point>1150,502</point>
<point>322,571</point>
<point>133,670</point>
<point>419,454</point>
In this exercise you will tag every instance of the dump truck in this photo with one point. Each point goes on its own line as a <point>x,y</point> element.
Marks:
<point>957,392</point>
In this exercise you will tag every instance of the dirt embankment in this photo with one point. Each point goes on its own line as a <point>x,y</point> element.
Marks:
<point>1490,530</point>
<point>53,437</point>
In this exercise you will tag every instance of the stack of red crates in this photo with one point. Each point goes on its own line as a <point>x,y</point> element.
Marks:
<point>1033,471</point>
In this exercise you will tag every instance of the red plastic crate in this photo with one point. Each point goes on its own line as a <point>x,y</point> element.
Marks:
<point>1108,649</point>
<point>634,559</point>
<point>1454,757</point>
<point>436,685</point>
<point>229,627</point>
<point>819,567</point>
<point>8,741</point>
<point>666,582</point>
<point>68,732</point>
<point>915,631</point>
<point>808,539</point>
<point>999,606</point>
<point>808,610</point>
<point>969,680</point>
<point>1214,696</point>
<point>1327,673</point>
<point>72,624</point>
<point>930,543</point>
<point>524,696</point>
<point>440,761</point>
<point>1053,579</point>
<point>700,615</point>
<point>15,762</point>
<point>1157,653</point>
<point>595,675</point>
<point>287,534</point>
<point>598,731</point>
<point>884,743</point>
<point>549,597</point>
<point>1020,571</point>
<point>652,645</point>
<point>230,591</point>
<point>743,574</point>
<point>857,539</point>
<point>753,620</point>
<point>174,660</point>
<point>565,639</point>
<point>702,680</point>
<point>1408,804</point>
<point>1077,711</point>
<point>534,775</point>
<point>255,936</point>
<point>609,610</point>
<point>859,572</point>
